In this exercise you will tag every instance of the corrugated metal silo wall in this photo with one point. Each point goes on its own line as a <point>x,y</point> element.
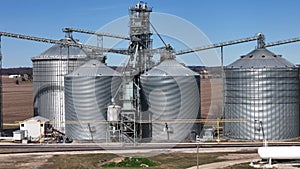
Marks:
<point>86,100</point>
<point>48,86</point>
<point>270,95</point>
<point>166,98</point>
<point>1,99</point>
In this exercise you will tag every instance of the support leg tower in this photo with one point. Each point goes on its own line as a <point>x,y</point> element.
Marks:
<point>139,51</point>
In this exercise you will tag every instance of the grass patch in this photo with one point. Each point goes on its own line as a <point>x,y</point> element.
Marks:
<point>161,161</point>
<point>132,162</point>
<point>240,166</point>
<point>11,127</point>
<point>79,161</point>
<point>185,160</point>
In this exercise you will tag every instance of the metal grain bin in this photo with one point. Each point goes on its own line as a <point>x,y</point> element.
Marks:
<point>49,69</point>
<point>263,87</point>
<point>88,92</point>
<point>170,100</point>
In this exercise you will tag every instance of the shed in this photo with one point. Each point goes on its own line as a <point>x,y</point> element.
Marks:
<point>34,127</point>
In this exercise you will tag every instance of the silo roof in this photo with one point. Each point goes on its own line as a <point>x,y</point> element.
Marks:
<point>170,67</point>
<point>62,52</point>
<point>37,118</point>
<point>93,68</point>
<point>261,58</point>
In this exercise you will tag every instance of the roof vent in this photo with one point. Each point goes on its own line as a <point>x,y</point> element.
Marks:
<point>263,56</point>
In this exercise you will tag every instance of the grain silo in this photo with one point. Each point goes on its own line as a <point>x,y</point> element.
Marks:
<point>49,69</point>
<point>262,87</point>
<point>88,91</point>
<point>170,100</point>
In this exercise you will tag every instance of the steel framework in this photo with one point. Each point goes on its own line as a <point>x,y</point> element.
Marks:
<point>70,30</point>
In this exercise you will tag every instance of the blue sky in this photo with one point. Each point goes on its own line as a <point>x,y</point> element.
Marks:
<point>219,20</point>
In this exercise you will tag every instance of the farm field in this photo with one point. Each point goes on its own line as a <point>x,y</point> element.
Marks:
<point>17,99</point>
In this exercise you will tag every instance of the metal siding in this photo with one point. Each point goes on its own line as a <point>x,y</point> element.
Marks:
<point>49,69</point>
<point>87,97</point>
<point>48,84</point>
<point>267,94</point>
<point>167,95</point>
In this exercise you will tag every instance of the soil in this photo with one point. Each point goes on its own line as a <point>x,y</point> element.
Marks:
<point>23,161</point>
<point>17,99</point>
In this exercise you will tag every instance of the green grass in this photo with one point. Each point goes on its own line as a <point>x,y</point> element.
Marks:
<point>132,162</point>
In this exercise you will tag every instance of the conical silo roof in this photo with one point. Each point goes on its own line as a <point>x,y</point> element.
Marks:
<point>94,68</point>
<point>62,52</point>
<point>261,58</point>
<point>170,67</point>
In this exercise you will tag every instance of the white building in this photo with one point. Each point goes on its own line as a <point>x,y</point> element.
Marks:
<point>34,127</point>
<point>14,76</point>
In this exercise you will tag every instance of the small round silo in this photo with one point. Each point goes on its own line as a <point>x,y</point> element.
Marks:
<point>262,87</point>
<point>89,91</point>
<point>170,101</point>
<point>49,69</point>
